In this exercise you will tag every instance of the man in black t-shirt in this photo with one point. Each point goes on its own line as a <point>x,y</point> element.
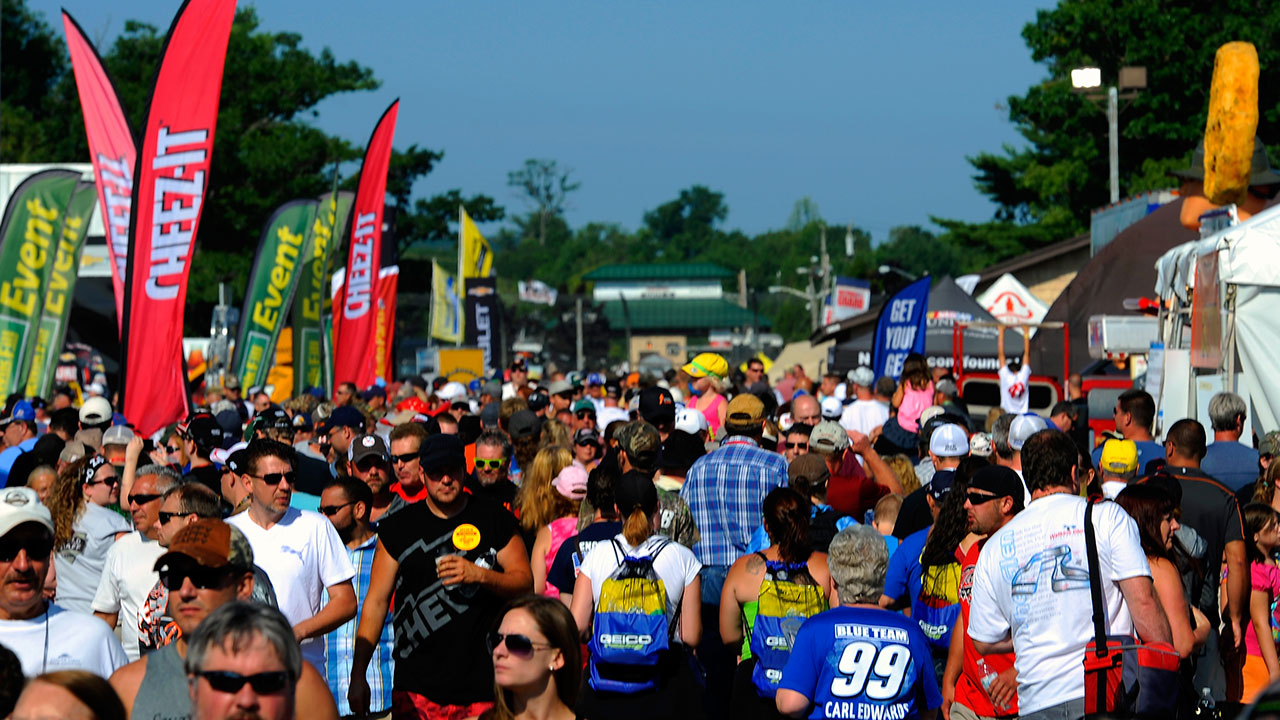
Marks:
<point>493,462</point>
<point>451,561</point>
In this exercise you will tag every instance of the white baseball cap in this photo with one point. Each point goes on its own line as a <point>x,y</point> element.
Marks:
<point>691,420</point>
<point>862,376</point>
<point>117,435</point>
<point>949,440</point>
<point>95,410</point>
<point>452,391</point>
<point>1023,427</point>
<point>21,505</point>
<point>832,408</point>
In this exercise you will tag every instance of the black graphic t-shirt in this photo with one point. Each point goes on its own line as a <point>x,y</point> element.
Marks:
<point>439,649</point>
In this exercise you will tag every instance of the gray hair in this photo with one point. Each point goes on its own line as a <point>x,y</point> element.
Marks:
<point>166,477</point>
<point>240,623</point>
<point>1000,435</point>
<point>858,559</point>
<point>1224,408</point>
<point>494,438</point>
<point>195,498</point>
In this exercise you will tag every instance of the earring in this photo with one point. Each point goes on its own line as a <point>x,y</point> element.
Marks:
<point>551,668</point>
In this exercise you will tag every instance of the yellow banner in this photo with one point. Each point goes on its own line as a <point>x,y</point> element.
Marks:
<point>446,307</point>
<point>477,256</point>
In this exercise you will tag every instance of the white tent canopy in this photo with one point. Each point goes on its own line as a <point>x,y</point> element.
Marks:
<point>1249,273</point>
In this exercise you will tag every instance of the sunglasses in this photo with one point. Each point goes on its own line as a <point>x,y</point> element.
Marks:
<point>331,510</point>
<point>111,481</point>
<point>565,395</point>
<point>584,414</point>
<point>587,443</point>
<point>38,548</point>
<point>976,499</point>
<point>202,577</point>
<point>264,683</point>
<point>367,464</point>
<point>275,478</point>
<point>405,458</point>
<point>144,498</point>
<point>798,446</point>
<point>172,450</point>
<point>489,464</point>
<point>519,645</point>
<point>165,517</point>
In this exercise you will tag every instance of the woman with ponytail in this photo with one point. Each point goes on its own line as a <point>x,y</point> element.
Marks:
<point>754,578</point>
<point>668,688</point>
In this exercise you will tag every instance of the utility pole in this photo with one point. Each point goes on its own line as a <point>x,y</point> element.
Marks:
<point>581,361</point>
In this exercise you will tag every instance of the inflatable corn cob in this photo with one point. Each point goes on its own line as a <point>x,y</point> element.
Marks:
<point>1233,122</point>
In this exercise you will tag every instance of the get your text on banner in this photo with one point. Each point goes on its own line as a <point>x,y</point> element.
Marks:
<point>170,180</point>
<point>111,149</point>
<point>309,302</point>
<point>271,288</point>
<point>354,315</point>
<point>900,329</point>
<point>56,309</point>
<point>28,238</point>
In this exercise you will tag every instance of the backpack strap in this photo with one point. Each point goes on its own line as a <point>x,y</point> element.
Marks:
<point>1095,583</point>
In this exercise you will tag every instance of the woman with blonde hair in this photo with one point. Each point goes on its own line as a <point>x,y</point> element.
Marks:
<point>83,528</point>
<point>905,471</point>
<point>537,661</point>
<point>548,513</point>
<point>708,371</point>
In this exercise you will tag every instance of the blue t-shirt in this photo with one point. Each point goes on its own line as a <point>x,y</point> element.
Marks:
<point>862,663</point>
<point>1231,463</point>
<point>1147,451</point>
<point>934,608</point>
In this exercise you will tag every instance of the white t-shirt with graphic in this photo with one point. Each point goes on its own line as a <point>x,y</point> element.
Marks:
<point>1015,393</point>
<point>303,555</point>
<point>1032,581</point>
<point>675,564</point>
<point>127,578</point>
<point>61,640</point>
<point>80,562</point>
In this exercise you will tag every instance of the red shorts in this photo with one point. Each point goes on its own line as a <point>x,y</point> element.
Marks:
<point>412,706</point>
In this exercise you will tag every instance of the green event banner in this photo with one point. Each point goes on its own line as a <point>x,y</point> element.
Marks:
<point>28,238</point>
<point>310,351</point>
<point>281,258</point>
<point>56,311</point>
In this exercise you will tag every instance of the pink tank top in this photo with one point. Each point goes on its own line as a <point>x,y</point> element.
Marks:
<point>561,530</point>
<point>712,413</point>
<point>914,402</point>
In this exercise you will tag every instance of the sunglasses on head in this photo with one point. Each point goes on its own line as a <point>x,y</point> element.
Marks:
<point>519,645</point>
<point>331,510</point>
<point>202,577</point>
<point>143,498</point>
<point>275,478</point>
<point>976,499</point>
<point>405,458</point>
<point>37,547</point>
<point>264,683</point>
<point>489,464</point>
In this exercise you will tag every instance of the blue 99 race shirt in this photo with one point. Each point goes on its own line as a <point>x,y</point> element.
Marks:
<point>862,663</point>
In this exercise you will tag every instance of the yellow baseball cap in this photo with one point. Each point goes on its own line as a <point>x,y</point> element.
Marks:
<point>707,364</point>
<point>1119,457</point>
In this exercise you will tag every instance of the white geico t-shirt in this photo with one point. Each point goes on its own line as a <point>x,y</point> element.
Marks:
<point>303,555</point>
<point>127,578</point>
<point>675,564</point>
<point>62,640</point>
<point>1032,581</point>
<point>1015,395</point>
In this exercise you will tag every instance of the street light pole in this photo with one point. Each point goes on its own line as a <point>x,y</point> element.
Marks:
<point>1132,79</point>
<point>1113,125</point>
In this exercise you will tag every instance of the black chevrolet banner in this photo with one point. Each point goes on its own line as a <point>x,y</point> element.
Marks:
<point>481,325</point>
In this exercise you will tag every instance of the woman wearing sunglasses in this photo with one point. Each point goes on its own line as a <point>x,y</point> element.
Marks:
<point>84,528</point>
<point>537,661</point>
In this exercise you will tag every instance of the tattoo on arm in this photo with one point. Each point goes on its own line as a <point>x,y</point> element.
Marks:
<point>754,564</point>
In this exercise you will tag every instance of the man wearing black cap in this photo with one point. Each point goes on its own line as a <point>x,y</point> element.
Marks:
<point>993,498</point>
<point>339,429</point>
<point>452,561</point>
<point>202,435</point>
<point>658,408</point>
<point>375,399</point>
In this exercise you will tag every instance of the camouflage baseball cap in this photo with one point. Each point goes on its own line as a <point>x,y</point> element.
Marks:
<point>1270,444</point>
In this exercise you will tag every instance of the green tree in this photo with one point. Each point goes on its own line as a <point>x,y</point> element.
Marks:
<point>1062,172</point>
<point>803,212</point>
<point>545,187</point>
<point>686,226</point>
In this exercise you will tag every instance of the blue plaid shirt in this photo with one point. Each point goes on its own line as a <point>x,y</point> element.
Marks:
<point>725,490</point>
<point>339,645</point>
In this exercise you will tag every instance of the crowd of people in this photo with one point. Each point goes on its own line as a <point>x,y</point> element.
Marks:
<point>703,544</point>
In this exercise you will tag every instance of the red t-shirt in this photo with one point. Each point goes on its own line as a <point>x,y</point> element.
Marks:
<point>851,492</point>
<point>969,690</point>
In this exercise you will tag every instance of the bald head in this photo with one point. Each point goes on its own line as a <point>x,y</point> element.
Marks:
<point>805,409</point>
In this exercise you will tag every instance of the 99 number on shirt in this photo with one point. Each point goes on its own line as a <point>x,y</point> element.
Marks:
<point>877,671</point>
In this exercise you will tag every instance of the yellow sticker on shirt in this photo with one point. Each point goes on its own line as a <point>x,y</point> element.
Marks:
<point>466,536</point>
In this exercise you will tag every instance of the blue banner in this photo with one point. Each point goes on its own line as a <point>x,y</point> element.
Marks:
<point>900,329</point>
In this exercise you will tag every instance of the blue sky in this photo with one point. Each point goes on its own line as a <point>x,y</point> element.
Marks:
<point>868,108</point>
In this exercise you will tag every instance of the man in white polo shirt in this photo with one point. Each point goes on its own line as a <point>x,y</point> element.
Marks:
<point>299,550</point>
